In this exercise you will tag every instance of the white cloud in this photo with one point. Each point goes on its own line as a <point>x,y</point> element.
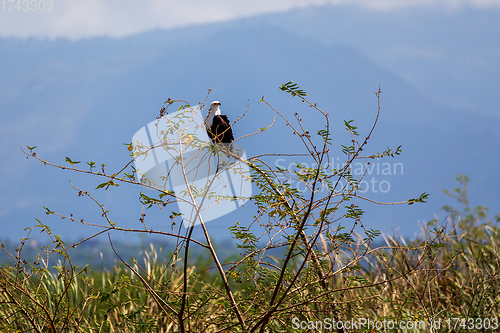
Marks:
<point>76,19</point>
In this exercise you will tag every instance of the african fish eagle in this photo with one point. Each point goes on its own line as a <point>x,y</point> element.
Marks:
<point>218,127</point>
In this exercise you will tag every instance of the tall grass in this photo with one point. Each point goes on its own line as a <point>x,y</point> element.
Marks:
<point>451,270</point>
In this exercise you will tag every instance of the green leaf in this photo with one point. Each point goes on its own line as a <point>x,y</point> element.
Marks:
<point>421,199</point>
<point>166,193</point>
<point>48,211</point>
<point>71,162</point>
<point>325,135</point>
<point>107,184</point>
<point>149,202</point>
<point>350,127</point>
<point>293,89</point>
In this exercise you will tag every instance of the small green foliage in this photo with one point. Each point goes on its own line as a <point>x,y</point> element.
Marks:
<point>184,107</point>
<point>149,201</point>
<point>107,184</point>
<point>348,150</point>
<point>48,211</point>
<point>71,162</point>
<point>164,193</point>
<point>245,236</point>
<point>423,197</point>
<point>293,89</point>
<point>371,235</point>
<point>30,148</point>
<point>325,134</point>
<point>130,148</point>
<point>354,212</point>
<point>350,128</point>
<point>391,153</point>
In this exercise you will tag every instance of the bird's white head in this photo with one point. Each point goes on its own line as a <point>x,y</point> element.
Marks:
<point>212,112</point>
<point>214,108</point>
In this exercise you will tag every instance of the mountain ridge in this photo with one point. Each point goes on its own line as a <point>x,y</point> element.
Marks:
<point>84,100</point>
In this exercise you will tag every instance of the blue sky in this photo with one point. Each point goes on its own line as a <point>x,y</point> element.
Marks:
<point>75,19</point>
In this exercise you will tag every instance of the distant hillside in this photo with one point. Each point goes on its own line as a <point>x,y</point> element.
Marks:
<point>448,55</point>
<point>85,99</point>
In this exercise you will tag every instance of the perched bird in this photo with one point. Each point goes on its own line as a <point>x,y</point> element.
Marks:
<point>218,127</point>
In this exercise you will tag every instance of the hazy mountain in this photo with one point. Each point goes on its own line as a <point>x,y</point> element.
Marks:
<point>85,99</point>
<point>452,56</point>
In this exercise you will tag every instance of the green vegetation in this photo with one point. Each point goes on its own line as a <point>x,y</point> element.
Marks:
<point>307,259</point>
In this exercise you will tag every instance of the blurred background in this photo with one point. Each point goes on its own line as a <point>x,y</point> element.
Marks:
<point>79,78</point>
